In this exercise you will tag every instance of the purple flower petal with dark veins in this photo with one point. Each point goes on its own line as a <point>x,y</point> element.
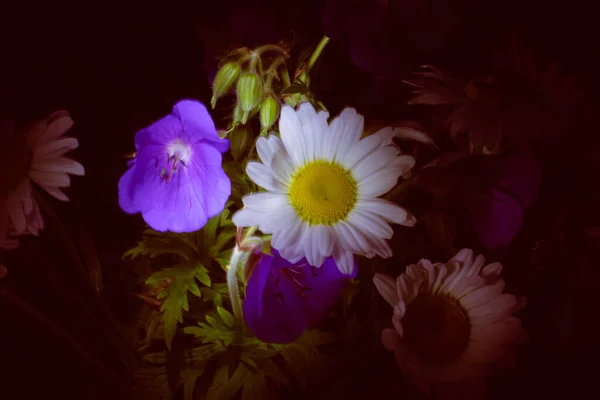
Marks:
<point>512,185</point>
<point>176,179</point>
<point>285,299</point>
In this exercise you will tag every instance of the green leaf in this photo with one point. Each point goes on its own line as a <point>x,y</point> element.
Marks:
<point>202,275</point>
<point>225,316</point>
<point>182,280</point>
<point>154,244</point>
<point>236,382</point>
<point>215,332</point>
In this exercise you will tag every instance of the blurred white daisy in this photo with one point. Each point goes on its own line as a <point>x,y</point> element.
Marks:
<point>35,156</point>
<point>322,185</point>
<point>453,325</point>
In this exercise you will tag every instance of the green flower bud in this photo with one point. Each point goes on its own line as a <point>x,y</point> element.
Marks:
<point>269,110</point>
<point>249,93</point>
<point>225,78</point>
<point>239,141</point>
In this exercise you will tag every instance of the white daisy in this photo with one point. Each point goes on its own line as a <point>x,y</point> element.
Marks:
<point>322,185</point>
<point>36,156</point>
<point>453,325</point>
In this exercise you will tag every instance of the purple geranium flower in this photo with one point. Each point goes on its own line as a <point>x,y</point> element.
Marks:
<point>284,299</point>
<point>512,184</point>
<point>176,179</point>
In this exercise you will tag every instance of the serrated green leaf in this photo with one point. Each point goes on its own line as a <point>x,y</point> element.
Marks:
<point>225,236</point>
<point>194,289</point>
<point>202,275</point>
<point>182,280</point>
<point>236,382</point>
<point>255,387</point>
<point>226,316</point>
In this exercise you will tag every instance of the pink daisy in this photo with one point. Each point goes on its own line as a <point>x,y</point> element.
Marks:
<point>452,324</point>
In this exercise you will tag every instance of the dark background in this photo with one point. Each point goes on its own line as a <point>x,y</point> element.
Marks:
<point>117,66</point>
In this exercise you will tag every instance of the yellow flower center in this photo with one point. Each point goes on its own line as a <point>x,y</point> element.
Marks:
<point>323,193</point>
<point>15,162</point>
<point>436,328</point>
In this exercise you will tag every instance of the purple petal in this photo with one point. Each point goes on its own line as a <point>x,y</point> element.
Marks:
<point>159,133</point>
<point>520,175</point>
<point>198,124</point>
<point>496,219</point>
<point>273,314</point>
<point>194,194</point>
<point>284,299</point>
<point>176,180</point>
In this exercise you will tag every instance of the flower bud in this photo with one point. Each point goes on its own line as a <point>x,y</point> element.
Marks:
<point>239,141</point>
<point>269,110</point>
<point>249,93</point>
<point>225,78</point>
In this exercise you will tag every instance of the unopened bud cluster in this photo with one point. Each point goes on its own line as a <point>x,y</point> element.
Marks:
<point>252,86</point>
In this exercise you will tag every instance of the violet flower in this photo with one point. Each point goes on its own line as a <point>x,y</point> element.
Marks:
<point>176,179</point>
<point>512,184</point>
<point>284,299</point>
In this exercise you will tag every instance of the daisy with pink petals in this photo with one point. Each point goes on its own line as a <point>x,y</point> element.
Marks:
<point>37,156</point>
<point>452,324</point>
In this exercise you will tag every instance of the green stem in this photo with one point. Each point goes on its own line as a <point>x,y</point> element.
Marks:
<point>233,285</point>
<point>313,58</point>
<point>269,47</point>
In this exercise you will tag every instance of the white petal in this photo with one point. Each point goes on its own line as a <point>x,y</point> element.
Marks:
<point>493,269</point>
<point>366,146</point>
<point>377,160</point>
<point>53,148</point>
<point>290,129</point>
<point>50,179</point>
<point>64,165</point>
<point>263,177</point>
<point>278,219</point>
<point>56,128</point>
<point>282,167</point>
<point>371,224</point>
<point>386,286</point>
<point>350,237</point>
<point>376,186</point>
<point>314,255</point>
<point>344,131</point>
<point>264,202</point>
<point>247,217</point>
<point>407,132</point>
<point>389,211</point>
<point>56,192</point>
<point>290,231</point>
<point>344,260</point>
